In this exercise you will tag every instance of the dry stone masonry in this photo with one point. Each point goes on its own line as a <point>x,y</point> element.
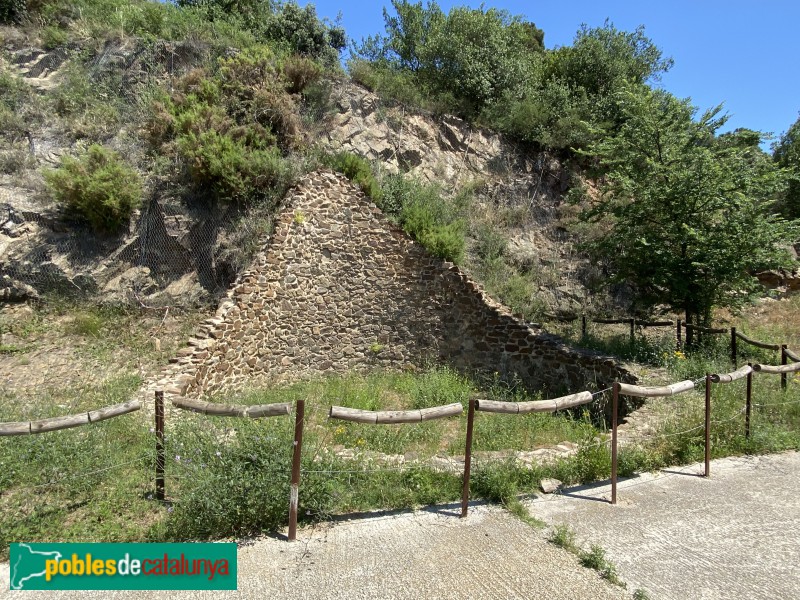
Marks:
<point>339,288</point>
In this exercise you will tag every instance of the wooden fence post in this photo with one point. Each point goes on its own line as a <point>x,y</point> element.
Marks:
<point>614,412</point>
<point>296,455</point>
<point>783,362</point>
<point>467,459</point>
<point>749,404</point>
<point>678,335</point>
<point>583,326</point>
<point>159,445</point>
<point>708,426</point>
<point>733,346</point>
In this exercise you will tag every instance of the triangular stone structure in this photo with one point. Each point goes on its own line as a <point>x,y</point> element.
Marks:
<point>338,288</point>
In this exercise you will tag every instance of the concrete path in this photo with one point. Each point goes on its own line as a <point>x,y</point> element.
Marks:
<point>677,535</point>
<point>429,555</point>
<point>673,534</point>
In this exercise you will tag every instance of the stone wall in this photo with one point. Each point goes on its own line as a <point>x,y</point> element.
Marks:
<point>338,288</point>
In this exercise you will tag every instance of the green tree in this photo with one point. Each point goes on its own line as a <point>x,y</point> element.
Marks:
<point>787,155</point>
<point>297,29</point>
<point>474,56</point>
<point>570,96</point>
<point>683,215</point>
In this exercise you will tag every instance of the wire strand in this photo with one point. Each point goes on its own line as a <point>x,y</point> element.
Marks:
<point>76,476</point>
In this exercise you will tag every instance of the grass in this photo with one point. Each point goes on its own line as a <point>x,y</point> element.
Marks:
<point>229,477</point>
<point>594,558</point>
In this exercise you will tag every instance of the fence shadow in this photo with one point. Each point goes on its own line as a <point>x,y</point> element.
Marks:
<point>582,492</point>
<point>450,509</point>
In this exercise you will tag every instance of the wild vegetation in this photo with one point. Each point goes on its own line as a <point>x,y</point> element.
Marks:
<point>230,477</point>
<point>680,212</point>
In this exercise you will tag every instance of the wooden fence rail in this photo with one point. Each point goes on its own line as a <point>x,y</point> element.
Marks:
<point>389,417</point>
<point>520,408</point>
<point>259,411</point>
<point>510,408</point>
<point>756,343</point>
<point>69,421</point>
<point>732,376</point>
<point>631,321</point>
<point>774,369</point>
<point>655,392</point>
<point>710,330</point>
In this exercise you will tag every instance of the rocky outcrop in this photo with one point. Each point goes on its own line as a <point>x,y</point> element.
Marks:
<point>445,150</point>
<point>340,289</point>
<point>782,281</point>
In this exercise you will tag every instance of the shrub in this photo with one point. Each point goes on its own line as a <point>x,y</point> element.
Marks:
<point>230,488</point>
<point>13,11</point>
<point>230,167</point>
<point>358,170</point>
<point>53,37</point>
<point>21,107</point>
<point>419,208</point>
<point>228,127</point>
<point>300,72</point>
<point>98,187</point>
<point>426,217</point>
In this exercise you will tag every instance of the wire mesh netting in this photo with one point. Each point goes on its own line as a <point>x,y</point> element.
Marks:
<point>177,250</point>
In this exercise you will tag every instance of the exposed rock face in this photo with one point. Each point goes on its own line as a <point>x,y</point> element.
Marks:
<point>169,254</point>
<point>447,150</point>
<point>339,288</point>
<point>783,282</point>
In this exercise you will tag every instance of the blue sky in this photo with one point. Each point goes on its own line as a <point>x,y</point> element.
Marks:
<point>745,54</point>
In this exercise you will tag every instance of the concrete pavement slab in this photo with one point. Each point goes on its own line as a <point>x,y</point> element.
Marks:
<point>678,535</point>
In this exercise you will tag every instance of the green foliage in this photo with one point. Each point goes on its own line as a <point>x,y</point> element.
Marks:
<point>420,209</point>
<point>297,29</point>
<point>493,483</point>
<point>54,37</point>
<point>229,127</point>
<point>90,107</point>
<point>603,59</point>
<point>304,33</point>
<point>551,114</point>
<point>68,485</point>
<point>13,11</point>
<point>97,186</point>
<point>563,537</point>
<point>469,56</point>
<point>435,222</point>
<point>515,285</point>
<point>490,66</point>
<point>684,217</point>
<point>787,155</point>
<point>359,171</point>
<point>595,558</point>
<point>392,84</point>
<point>234,488</point>
<point>229,166</point>
<point>21,108</point>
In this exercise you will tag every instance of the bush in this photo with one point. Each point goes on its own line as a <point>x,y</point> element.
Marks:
<point>300,72</point>
<point>228,127</point>
<point>98,187</point>
<point>13,11</point>
<point>234,170</point>
<point>237,487</point>
<point>358,170</point>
